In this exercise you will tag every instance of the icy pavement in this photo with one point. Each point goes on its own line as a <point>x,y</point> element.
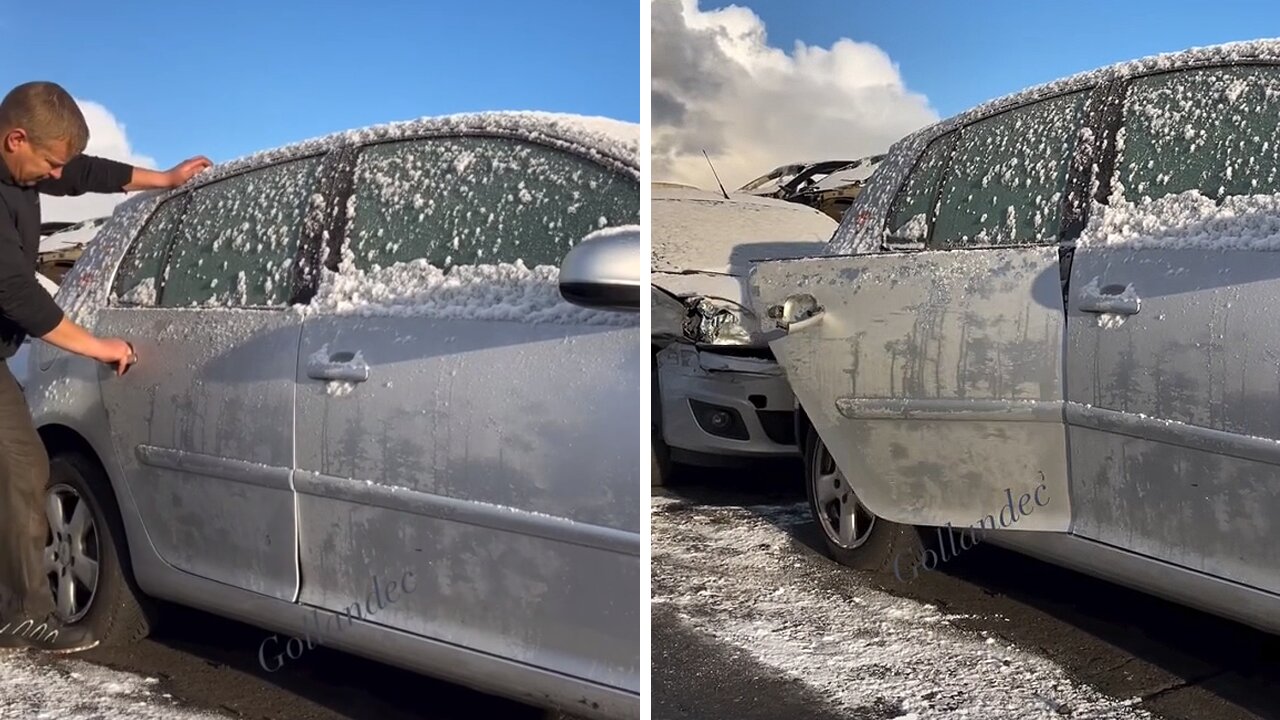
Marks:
<point>732,574</point>
<point>40,688</point>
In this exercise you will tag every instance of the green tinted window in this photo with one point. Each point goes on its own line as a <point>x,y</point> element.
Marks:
<point>238,241</point>
<point>914,207</point>
<point>478,200</point>
<point>140,269</point>
<point>1215,130</point>
<point>1008,175</point>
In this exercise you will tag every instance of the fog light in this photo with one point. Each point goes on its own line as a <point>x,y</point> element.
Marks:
<point>720,421</point>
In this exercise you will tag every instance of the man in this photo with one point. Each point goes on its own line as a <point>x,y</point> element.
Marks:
<point>42,137</point>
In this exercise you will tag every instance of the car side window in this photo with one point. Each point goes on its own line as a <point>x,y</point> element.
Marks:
<point>1211,130</point>
<point>480,200</point>
<point>237,243</point>
<point>916,203</point>
<point>1007,178</point>
<point>136,279</point>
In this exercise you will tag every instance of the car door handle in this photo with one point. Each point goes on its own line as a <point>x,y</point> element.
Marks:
<point>1112,299</point>
<point>344,366</point>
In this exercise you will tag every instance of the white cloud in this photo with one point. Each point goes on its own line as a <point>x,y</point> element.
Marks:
<point>718,86</point>
<point>107,139</point>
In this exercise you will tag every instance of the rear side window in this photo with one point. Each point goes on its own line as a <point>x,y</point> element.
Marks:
<point>1007,177</point>
<point>239,238</point>
<point>140,269</point>
<point>916,204</point>
<point>480,200</point>
<point>1212,130</point>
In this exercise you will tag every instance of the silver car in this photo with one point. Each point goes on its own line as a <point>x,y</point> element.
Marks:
<point>1047,322</point>
<point>719,397</point>
<point>363,413</point>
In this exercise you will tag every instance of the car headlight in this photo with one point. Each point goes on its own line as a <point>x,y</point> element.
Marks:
<point>712,322</point>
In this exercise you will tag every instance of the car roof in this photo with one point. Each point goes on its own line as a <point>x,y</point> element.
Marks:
<point>612,142</point>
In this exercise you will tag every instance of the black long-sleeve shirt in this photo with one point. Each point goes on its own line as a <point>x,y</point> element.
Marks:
<point>25,307</point>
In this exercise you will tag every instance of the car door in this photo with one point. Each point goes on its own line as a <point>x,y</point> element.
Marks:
<point>203,424</point>
<point>1174,345</point>
<point>460,424</point>
<point>934,375</point>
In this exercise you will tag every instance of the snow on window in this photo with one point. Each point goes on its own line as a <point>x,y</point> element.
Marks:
<point>1006,180</point>
<point>238,239</point>
<point>498,292</point>
<point>855,235</point>
<point>139,271</point>
<point>1213,130</point>
<point>143,293</point>
<point>916,203</point>
<point>469,200</point>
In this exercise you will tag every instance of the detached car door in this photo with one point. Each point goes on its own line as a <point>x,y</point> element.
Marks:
<point>204,422</point>
<point>460,424</point>
<point>935,376</point>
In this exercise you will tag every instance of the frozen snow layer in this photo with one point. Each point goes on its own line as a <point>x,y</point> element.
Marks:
<point>1187,220</point>
<point>36,688</point>
<point>859,236</point>
<point>730,574</point>
<point>695,230</point>
<point>508,291</point>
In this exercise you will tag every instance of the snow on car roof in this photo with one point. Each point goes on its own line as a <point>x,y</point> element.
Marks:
<point>610,141</point>
<point>613,143</point>
<point>698,230</point>
<point>878,194</point>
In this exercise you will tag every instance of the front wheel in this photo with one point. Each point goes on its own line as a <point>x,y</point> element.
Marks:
<point>853,535</point>
<point>86,556</point>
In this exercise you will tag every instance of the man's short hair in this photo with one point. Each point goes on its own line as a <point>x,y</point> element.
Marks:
<point>47,112</point>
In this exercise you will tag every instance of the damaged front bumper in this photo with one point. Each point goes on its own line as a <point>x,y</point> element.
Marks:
<point>717,406</point>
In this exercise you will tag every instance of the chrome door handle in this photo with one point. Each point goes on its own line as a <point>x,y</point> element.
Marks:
<point>343,366</point>
<point>1113,299</point>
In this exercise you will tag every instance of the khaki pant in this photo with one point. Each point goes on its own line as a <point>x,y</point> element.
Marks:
<point>24,473</point>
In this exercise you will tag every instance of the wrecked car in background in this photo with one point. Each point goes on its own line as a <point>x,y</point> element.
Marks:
<point>718,397</point>
<point>62,243</point>
<point>829,186</point>
<point>1066,294</point>
<point>358,366</point>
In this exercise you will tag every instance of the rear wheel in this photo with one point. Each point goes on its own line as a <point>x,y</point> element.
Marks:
<point>86,557</point>
<point>853,535</point>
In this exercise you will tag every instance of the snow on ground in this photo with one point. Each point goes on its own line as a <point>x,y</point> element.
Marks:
<point>39,688</point>
<point>730,573</point>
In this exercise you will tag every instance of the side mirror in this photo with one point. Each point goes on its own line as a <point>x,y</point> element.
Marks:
<point>603,271</point>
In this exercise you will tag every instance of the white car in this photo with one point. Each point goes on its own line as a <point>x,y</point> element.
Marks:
<point>719,396</point>
<point>18,364</point>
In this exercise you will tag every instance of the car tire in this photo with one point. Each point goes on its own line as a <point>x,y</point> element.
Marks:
<point>873,547</point>
<point>117,613</point>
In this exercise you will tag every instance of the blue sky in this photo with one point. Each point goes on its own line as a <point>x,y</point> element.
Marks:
<point>962,53</point>
<point>231,77</point>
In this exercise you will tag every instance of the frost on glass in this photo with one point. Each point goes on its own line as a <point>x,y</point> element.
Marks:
<point>238,241</point>
<point>1008,175</point>
<point>140,268</point>
<point>913,208</point>
<point>481,200</point>
<point>1213,130</point>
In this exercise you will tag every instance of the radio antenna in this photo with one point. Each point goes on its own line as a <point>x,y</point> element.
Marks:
<point>717,176</point>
